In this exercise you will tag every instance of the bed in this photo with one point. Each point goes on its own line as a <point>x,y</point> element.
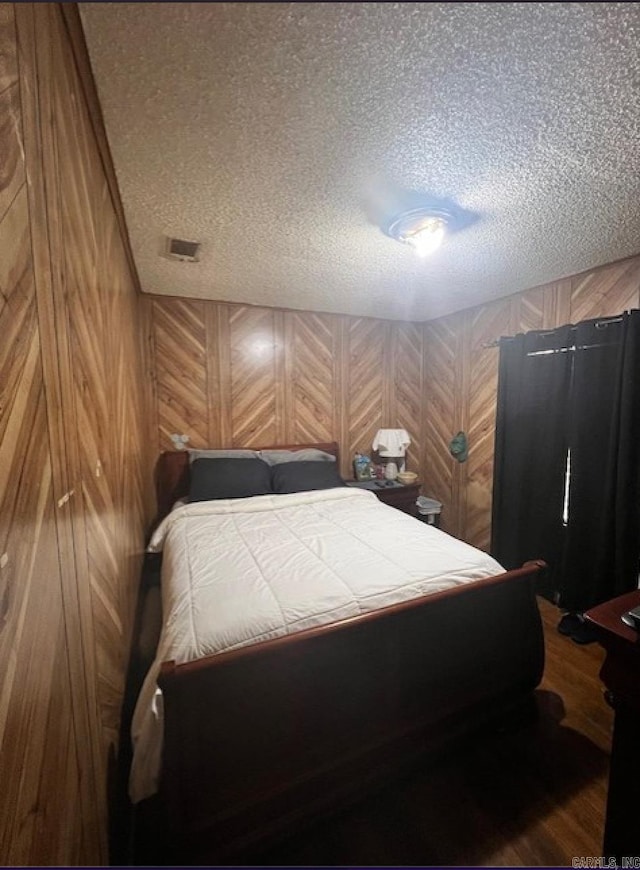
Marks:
<point>315,642</point>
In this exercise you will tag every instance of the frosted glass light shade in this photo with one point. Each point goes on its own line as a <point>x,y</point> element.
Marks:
<point>428,237</point>
<point>422,228</point>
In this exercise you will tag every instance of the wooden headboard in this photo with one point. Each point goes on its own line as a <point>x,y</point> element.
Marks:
<point>172,470</point>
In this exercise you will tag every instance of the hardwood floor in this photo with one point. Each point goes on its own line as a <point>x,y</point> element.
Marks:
<point>532,794</point>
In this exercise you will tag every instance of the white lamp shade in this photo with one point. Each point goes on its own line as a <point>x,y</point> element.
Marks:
<point>391,442</point>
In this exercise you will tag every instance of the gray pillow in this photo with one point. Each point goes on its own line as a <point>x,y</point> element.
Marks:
<point>305,476</point>
<point>221,477</point>
<point>308,454</point>
<point>222,454</point>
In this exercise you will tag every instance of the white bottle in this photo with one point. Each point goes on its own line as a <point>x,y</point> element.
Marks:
<point>391,471</point>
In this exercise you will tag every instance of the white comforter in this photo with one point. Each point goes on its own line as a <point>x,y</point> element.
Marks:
<point>236,572</point>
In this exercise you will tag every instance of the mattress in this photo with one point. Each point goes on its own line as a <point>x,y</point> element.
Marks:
<point>238,572</point>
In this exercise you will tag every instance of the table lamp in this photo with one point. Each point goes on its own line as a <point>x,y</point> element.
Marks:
<point>391,445</point>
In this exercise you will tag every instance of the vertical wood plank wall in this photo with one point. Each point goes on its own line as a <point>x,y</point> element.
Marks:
<point>462,376</point>
<point>239,375</point>
<point>39,759</point>
<point>73,483</point>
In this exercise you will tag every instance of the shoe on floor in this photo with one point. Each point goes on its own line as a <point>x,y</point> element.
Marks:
<point>569,623</point>
<point>573,625</point>
<point>586,633</point>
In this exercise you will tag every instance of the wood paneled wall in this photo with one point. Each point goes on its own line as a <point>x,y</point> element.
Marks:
<point>37,735</point>
<point>238,375</point>
<point>74,483</point>
<point>462,375</point>
<point>74,458</point>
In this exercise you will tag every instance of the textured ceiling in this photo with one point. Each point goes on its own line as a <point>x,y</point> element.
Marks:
<point>277,134</point>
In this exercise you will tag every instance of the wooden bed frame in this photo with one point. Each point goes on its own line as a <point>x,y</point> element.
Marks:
<point>264,736</point>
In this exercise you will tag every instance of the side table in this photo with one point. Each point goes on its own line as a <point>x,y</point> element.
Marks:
<point>400,496</point>
<point>621,675</point>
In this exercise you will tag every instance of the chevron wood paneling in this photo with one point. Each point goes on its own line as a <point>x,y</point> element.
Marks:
<point>461,380</point>
<point>312,379</point>
<point>218,367</point>
<point>264,376</point>
<point>441,343</point>
<point>254,352</point>
<point>39,768</point>
<point>529,312</point>
<point>179,346</point>
<point>367,375</point>
<point>557,304</point>
<point>606,291</point>
<point>485,323</point>
<point>75,493</point>
<point>407,396</point>
<point>288,376</point>
<point>38,757</point>
<point>105,381</point>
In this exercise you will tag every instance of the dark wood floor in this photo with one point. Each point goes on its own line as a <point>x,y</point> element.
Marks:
<point>531,795</point>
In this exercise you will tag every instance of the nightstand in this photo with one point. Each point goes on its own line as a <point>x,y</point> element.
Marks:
<point>621,675</point>
<point>400,496</point>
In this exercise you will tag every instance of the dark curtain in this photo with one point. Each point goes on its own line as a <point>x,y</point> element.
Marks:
<point>531,450</point>
<point>602,546</point>
<point>573,391</point>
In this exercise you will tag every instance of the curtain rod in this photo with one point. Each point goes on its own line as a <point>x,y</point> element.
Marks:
<point>599,324</point>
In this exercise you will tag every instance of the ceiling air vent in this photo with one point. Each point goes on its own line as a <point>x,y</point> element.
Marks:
<point>181,249</point>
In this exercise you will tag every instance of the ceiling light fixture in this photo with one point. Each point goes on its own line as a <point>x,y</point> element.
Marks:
<point>422,228</point>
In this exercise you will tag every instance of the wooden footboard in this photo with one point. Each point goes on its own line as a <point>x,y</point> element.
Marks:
<point>261,736</point>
